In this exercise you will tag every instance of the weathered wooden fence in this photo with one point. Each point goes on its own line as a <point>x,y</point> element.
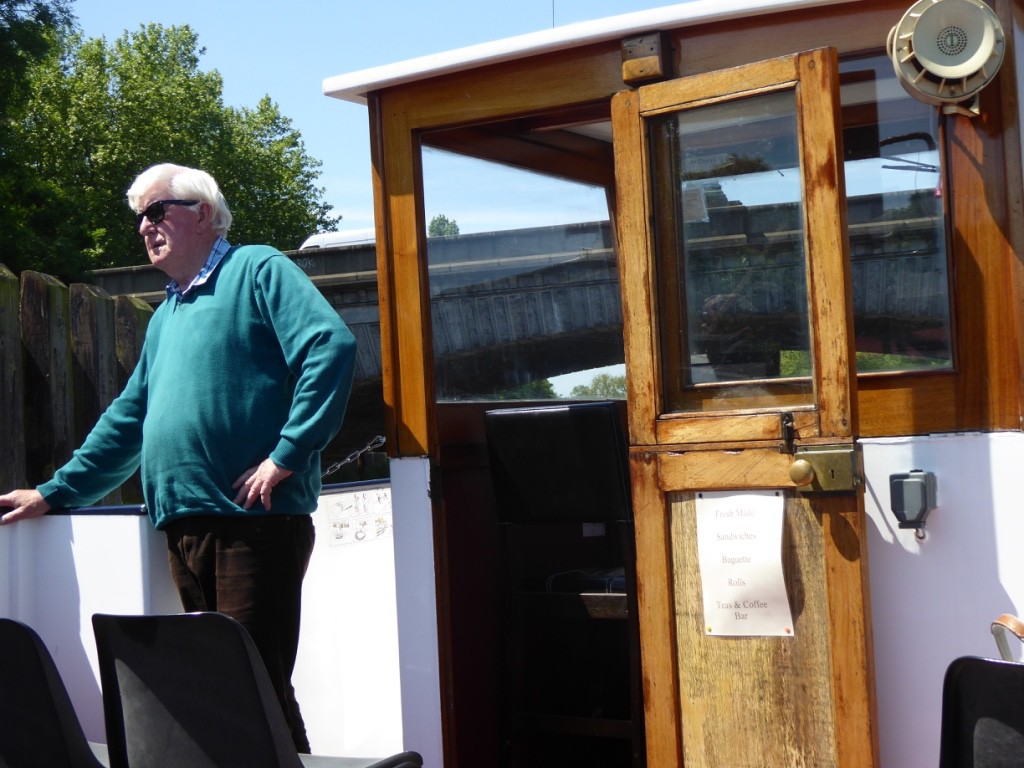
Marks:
<point>65,353</point>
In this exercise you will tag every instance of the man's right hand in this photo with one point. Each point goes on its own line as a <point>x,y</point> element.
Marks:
<point>22,505</point>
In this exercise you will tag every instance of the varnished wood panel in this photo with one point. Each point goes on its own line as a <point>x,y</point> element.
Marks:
<point>907,404</point>
<point>710,470</point>
<point>522,87</point>
<point>748,701</point>
<point>984,302</point>
<point>398,117</point>
<point>639,291</point>
<point>849,611</point>
<point>985,392</point>
<point>655,596</point>
<point>1010,12</point>
<point>752,702</point>
<point>812,77</point>
<point>706,428</point>
<point>827,242</point>
<point>552,152</point>
<point>847,27</point>
<point>988,232</point>
<point>711,87</point>
<point>404,304</point>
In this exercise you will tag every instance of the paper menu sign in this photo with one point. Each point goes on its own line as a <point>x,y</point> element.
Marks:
<point>739,550</point>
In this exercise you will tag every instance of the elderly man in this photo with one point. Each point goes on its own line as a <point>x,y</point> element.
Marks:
<point>243,379</point>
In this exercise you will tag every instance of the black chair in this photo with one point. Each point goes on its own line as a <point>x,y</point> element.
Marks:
<point>982,714</point>
<point>191,690</point>
<point>562,494</point>
<point>38,725</point>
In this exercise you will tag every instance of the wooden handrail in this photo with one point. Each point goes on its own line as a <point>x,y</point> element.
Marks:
<point>1007,622</point>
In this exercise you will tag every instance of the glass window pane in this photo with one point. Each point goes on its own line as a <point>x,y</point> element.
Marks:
<point>524,288</point>
<point>896,222</point>
<point>733,263</point>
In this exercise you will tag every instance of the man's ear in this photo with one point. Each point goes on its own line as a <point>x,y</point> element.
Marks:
<point>205,213</point>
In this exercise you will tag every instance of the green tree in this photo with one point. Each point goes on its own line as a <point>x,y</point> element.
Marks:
<point>603,385</point>
<point>274,196</point>
<point>26,35</point>
<point>100,113</point>
<point>442,226</point>
<point>539,389</point>
<point>28,205</point>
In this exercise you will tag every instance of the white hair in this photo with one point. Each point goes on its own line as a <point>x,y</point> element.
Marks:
<point>185,184</point>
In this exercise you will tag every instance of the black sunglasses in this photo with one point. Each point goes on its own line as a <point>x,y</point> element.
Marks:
<point>156,211</point>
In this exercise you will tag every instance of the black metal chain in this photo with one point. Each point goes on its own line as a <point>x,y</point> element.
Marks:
<point>376,442</point>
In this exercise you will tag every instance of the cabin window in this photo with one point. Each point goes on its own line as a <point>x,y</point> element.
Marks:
<point>525,300</point>
<point>730,245</point>
<point>896,220</point>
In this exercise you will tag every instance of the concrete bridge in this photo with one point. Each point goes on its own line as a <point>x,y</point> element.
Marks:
<point>546,297</point>
<point>507,308</point>
<point>512,307</point>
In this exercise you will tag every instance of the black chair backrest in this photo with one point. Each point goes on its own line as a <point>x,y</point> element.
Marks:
<point>982,714</point>
<point>38,725</point>
<point>564,463</point>
<point>188,690</point>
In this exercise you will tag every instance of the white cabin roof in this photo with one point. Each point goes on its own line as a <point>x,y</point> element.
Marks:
<point>355,86</point>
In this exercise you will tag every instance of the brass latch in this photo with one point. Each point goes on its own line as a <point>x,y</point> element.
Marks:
<point>826,468</point>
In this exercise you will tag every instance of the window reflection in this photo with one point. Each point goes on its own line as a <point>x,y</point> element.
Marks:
<point>728,175</point>
<point>896,223</point>
<point>729,242</point>
<point>744,270</point>
<point>525,300</point>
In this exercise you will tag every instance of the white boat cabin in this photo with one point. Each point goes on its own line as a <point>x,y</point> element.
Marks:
<point>811,284</point>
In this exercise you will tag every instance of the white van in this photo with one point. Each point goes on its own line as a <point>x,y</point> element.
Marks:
<point>329,239</point>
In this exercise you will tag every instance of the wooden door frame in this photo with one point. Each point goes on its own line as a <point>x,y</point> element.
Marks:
<point>679,451</point>
<point>813,76</point>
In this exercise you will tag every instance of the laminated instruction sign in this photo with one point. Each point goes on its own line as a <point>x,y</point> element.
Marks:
<point>355,516</point>
<point>739,549</point>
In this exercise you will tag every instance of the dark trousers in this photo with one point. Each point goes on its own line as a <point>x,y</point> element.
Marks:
<point>250,568</point>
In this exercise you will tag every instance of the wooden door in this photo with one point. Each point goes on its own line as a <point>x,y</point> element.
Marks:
<point>738,324</point>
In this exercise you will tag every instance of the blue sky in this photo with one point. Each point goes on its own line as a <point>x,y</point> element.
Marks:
<point>286,49</point>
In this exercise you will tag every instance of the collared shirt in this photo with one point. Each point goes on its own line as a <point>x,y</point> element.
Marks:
<point>217,253</point>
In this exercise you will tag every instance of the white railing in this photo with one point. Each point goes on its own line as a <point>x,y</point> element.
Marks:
<point>55,572</point>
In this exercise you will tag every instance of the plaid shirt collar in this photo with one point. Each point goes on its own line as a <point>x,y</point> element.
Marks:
<point>217,254</point>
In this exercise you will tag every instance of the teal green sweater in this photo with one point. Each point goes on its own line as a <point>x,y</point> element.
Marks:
<point>251,364</point>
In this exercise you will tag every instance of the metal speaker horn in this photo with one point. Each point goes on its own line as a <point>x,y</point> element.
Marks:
<point>945,51</point>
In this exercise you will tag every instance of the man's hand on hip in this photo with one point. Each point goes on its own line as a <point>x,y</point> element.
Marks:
<point>258,483</point>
